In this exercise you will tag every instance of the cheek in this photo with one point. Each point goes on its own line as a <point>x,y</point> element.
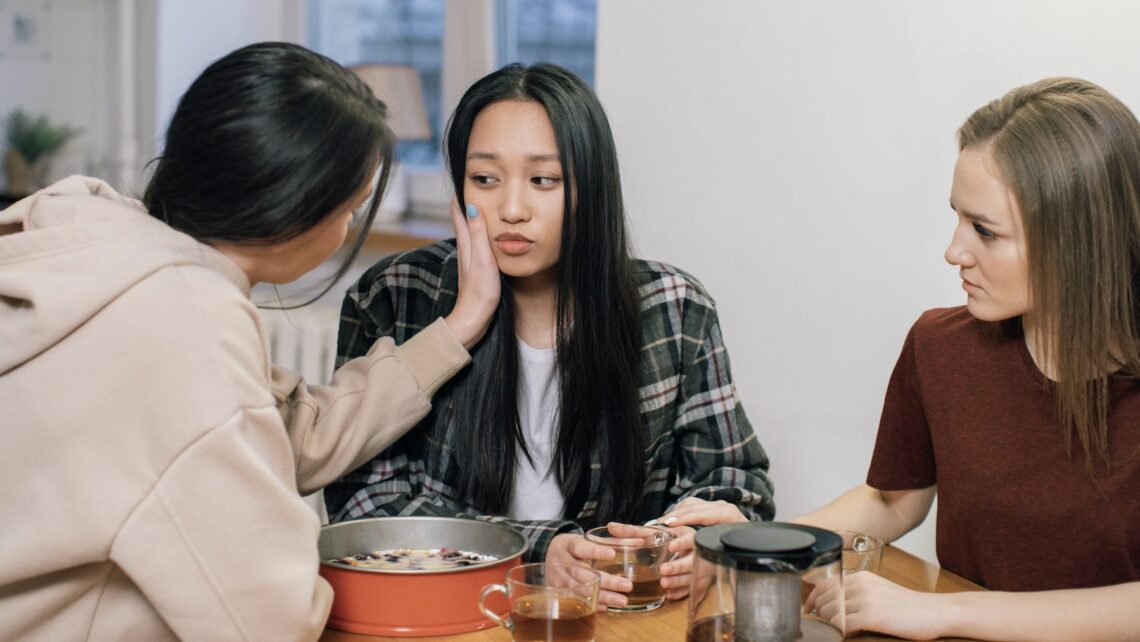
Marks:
<point>339,230</point>
<point>487,207</point>
<point>473,194</point>
<point>1011,270</point>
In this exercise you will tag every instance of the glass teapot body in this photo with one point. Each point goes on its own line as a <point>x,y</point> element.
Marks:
<point>751,582</point>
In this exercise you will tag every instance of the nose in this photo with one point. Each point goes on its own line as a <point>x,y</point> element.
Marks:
<point>959,253</point>
<point>514,208</point>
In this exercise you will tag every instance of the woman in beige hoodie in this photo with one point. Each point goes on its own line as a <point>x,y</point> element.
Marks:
<point>152,458</point>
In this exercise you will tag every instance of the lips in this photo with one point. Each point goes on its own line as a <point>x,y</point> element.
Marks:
<point>513,244</point>
<point>969,285</point>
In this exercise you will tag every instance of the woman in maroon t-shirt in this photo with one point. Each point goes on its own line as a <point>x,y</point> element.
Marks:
<point>1022,409</point>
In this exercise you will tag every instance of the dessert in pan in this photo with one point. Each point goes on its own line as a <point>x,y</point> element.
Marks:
<point>414,559</point>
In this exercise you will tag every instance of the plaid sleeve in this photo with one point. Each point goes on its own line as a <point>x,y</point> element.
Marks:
<point>718,456</point>
<point>721,458</point>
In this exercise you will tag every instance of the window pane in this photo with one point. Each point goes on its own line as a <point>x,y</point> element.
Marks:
<point>558,31</point>
<point>398,32</point>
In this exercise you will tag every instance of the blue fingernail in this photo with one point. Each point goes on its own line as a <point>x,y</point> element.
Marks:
<point>472,211</point>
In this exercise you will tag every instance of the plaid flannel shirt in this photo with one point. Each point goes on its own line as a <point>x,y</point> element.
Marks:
<point>698,442</point>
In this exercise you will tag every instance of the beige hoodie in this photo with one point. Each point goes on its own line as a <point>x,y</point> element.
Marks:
<point>150,456</point>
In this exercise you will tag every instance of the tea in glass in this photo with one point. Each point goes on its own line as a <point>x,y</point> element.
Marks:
<point>639,552</point>
<point>549,602</point>
<point>540,618</point>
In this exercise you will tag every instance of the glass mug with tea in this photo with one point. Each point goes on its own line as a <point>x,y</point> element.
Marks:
<point>549,603</point>
<point>639,552</point>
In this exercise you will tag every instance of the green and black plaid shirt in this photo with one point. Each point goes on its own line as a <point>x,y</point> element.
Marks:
<point>698,441</point>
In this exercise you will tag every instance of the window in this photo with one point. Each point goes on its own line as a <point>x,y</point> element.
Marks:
<point>411,32</point>
<point>558,31</point>
<point>394,32</point>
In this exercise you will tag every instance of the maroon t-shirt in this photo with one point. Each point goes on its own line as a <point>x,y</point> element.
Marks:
<point>968,410</point>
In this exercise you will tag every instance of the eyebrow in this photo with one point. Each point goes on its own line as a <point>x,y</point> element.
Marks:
<point>534,158</point>
<point>974,216</point>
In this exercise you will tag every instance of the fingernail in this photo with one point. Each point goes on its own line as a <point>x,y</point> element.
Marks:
<point>668,520</point>
<point>651,522</point>
<point>472,211</point>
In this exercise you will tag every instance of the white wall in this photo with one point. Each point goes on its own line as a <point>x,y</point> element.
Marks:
<point>797,156</point>
<point>191,35</point>
<point>59,71</point>
<point>70,71</point>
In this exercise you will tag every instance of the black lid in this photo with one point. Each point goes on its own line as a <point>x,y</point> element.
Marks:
<point>768,547</point>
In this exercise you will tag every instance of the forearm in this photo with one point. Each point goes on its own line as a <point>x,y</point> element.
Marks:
<point>372,401</point>
<point>1107,613</point>
<point>750,492</point>
<point>885,514</point>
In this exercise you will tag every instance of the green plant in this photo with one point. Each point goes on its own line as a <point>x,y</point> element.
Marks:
<point>36,137</point>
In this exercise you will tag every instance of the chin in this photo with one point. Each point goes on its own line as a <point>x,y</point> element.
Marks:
<point>515,273</point>
<point>983,312</point>
<point>519,269</point>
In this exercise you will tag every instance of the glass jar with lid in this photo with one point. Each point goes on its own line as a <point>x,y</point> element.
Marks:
<point>750,582</point>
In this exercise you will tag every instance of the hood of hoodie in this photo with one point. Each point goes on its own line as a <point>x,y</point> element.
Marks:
<point>69,249</point>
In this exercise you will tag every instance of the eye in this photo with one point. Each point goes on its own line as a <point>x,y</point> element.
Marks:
<point>983,232</point>
<point>482,179</point>
<point>546,181</point>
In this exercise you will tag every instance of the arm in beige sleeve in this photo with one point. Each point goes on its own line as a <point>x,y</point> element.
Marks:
<point>372,401</point>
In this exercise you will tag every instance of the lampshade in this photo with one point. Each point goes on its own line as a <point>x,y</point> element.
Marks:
<point>399,87</point>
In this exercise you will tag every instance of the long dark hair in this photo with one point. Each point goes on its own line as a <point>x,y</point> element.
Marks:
<point>598,329</point>
<point>1070,153</point>
<point>266,143</point>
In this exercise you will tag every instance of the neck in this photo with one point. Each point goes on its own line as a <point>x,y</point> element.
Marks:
<point>1036,342</point>
<point>246,258</point>
<point>535,310</point>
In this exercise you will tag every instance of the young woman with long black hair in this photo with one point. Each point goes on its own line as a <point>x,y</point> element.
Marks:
<point>602,391</point>
<point>152,455</point>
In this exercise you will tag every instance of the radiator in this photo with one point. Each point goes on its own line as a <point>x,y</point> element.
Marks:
<point>304,340</point>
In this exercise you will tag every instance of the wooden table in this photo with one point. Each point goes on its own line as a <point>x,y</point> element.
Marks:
<point>667,624</point>
<point>407,234</point>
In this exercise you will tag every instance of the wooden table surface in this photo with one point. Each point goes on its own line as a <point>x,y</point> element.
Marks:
<point>668,623</point>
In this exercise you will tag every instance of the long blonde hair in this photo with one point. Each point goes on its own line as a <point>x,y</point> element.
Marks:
<point>1070,153</point>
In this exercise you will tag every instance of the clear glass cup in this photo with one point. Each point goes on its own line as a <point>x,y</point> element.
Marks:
<point>639,552</point>
<point>548,602</point>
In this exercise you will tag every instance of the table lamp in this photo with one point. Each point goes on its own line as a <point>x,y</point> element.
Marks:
<point>399,87</point>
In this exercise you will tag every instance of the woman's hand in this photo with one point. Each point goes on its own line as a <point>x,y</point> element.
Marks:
<point>693,511</point>
<point>479,288</point>
<point>568,548</point>
<point>877,604</point>
<point>676,570</point>
<point>676,574</point>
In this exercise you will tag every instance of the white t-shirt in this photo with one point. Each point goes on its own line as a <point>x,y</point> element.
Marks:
<point>536,493</point>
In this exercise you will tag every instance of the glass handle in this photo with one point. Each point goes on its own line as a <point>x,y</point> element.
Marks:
<point>494,617</point>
